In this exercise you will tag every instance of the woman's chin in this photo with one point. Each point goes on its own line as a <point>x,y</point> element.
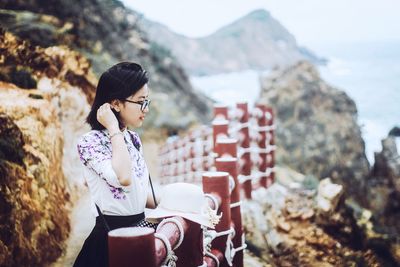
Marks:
<point>138,124</point>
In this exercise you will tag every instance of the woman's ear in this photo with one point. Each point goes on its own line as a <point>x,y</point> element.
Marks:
<point>116,105</point>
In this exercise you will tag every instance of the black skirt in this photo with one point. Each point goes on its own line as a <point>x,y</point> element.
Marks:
<point>94,252</point>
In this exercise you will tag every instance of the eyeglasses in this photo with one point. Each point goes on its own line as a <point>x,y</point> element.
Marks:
<point>143,104</point>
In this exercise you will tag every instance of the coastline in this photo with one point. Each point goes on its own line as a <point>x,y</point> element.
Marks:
<point>375,92</point>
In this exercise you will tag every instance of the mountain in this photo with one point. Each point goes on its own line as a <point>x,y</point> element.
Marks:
<point>106,32</point>
<point>255,41</point>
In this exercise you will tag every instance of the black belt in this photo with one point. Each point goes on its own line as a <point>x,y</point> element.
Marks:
<point>111,222</point>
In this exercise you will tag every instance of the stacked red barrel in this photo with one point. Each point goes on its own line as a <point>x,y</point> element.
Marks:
<point>183,159</point>
<point>271,139</point>
<point>230,159</point>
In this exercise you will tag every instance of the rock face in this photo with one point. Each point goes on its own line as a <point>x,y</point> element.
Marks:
<point>256,41</point>
<point>384,186</point>
<point>288,227</point>
<point>316,127</point>
<point>387,162</point>
<point>62,77</point>
<point>40,169</point>
<point>33,196</point>
<point>106,32</point>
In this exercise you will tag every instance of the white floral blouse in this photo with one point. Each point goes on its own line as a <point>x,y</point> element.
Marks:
<point>95,152</point>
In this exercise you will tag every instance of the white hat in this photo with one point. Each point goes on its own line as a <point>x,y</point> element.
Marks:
<point>187,201</point>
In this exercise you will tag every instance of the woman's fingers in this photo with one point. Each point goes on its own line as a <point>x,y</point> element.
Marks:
<point>106,117</point>
<point>103,108</point>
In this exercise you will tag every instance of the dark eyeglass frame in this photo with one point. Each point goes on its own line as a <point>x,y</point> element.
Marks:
<point>143,104</point>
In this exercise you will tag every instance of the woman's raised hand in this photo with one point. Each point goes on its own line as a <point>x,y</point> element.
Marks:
<point>107,118</point>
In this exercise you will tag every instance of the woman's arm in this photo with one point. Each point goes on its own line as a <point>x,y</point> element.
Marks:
<point>121,162</point>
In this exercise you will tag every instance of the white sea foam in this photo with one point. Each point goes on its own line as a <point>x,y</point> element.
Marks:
<point>338,67</point>
<point>230,88</point>
<point>373,132</point>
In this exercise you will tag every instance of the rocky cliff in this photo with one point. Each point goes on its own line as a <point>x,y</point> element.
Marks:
<point>33,191</point>
<point>383,192</point>
<point>106,32</point>
<point>255,41</point>
<point>316,127</point>
<point>387,161</point>
<point>41,122</point>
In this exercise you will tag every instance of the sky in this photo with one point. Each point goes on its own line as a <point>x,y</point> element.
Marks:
<point>310,21</point>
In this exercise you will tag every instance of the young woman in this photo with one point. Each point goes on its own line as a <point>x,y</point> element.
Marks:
<point>114,167</point>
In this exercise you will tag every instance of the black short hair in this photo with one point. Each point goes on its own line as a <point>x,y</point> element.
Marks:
<point>118,82</point>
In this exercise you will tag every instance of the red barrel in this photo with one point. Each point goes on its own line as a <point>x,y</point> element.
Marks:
<point>221,111</point>
<point>246,169</point>
<point>271,155</point>
<point>220,130</point>
<point>190,252</point>
<point>262,122</point>
<point>218,183</point>
<point>229,165</point>
<point>227,147</point>
<point>132,247</point>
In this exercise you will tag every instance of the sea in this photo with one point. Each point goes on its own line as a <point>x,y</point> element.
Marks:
<point>369,72</point>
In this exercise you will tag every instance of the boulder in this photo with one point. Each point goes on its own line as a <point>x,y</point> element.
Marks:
<point>328,196</point>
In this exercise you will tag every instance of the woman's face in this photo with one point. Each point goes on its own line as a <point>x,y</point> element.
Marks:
<point>131,113</point>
